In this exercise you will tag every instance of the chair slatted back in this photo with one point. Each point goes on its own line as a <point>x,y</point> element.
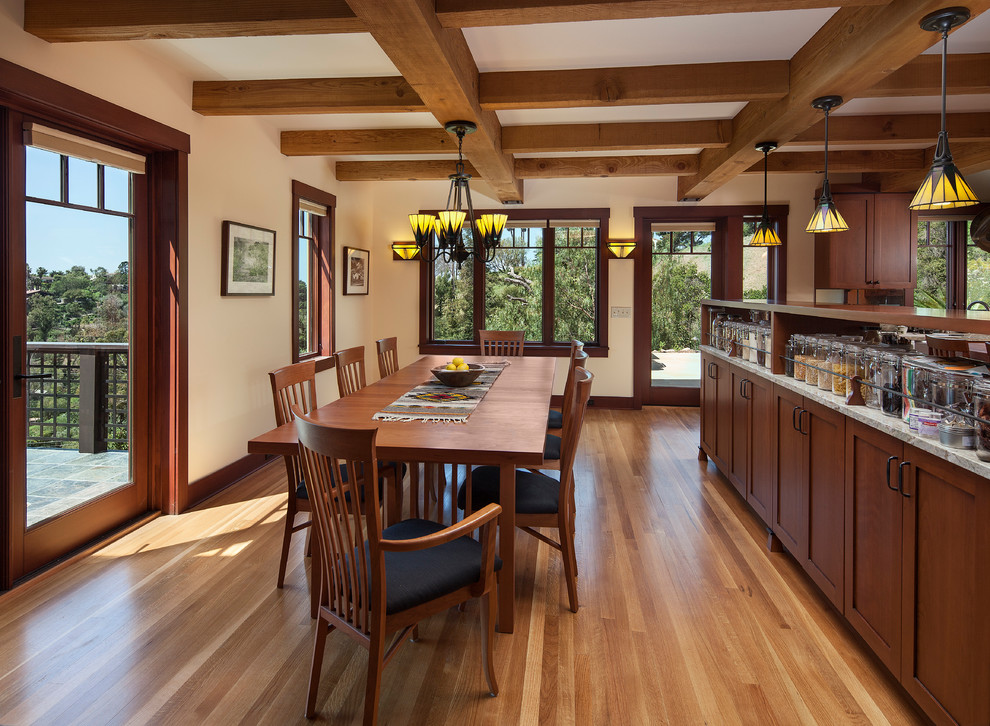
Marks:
<point>293,386</point>
<point>388,356</point>
<point>502,342</point>
<point>350,370</point>
<point>353,572</point>
<point>574,411</point>
<point>949,347</point>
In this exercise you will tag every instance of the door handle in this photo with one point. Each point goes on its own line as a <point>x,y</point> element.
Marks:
<point>900,478</point>
<point>33,376</point>
<point>889,486</point>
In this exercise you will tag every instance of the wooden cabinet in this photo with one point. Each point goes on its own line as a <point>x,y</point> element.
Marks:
<point>878,250</point>
<point>716,410</point>
<point>750,460</point>
<point>808,506</point>
<point>918,553</point>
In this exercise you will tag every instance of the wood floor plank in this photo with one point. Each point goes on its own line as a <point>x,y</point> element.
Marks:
<point>685,618</point>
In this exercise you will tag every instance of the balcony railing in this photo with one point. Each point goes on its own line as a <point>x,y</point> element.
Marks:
<point>83,400</point>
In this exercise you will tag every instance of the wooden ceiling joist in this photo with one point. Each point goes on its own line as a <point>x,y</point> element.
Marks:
<point>855,50</point>
<point>616,136</point>
<point>305,95</point>
<point>439,66</point>
<point>430,170</point>
<point>59,21</point>
<point>368,141</point>
<point>896,129</point>
<point>474,13</point>
<point>643,85</point>
<point>854,160</point>
<point>971,158</point>
<point>965,74</point>
<point>607,166</point>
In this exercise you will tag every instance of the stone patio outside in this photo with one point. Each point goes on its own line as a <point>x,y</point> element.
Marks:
<point>60,479</point>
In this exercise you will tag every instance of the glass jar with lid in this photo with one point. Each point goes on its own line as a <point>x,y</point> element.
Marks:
<point>916,383</point>
<point>871,374</point>
<point>855,366</point>
<point>822,356</point>
<point>981,409</point>
<point>798,342</point>
<point>890,380</point>
<point>763,344</point>
<point>811,360</point>
<point>752,342</point>
<point>839,369</point>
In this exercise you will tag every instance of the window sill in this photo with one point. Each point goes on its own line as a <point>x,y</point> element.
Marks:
<point>323,362</point>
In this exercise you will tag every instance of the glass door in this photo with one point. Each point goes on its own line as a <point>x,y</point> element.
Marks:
<point>680,278</point>
<point>79,411</point>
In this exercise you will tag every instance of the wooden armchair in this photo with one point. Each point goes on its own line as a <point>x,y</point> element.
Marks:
<point>388,356</point>
<point>502,342</point>
<point>380,583</point>
<point>542,501</point>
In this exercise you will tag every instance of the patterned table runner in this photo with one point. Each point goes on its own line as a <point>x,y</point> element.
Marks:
<point>433,401</point>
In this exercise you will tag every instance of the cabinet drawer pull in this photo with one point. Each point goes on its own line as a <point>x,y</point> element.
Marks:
<point>900,478</point>
<point>801,421</point>
<point>794,424</point>
<point>889,485</point>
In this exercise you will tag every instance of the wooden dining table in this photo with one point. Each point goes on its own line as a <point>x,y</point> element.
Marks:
<point>507,430</point>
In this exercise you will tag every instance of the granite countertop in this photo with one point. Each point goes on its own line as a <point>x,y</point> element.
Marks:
<point>965,458</point>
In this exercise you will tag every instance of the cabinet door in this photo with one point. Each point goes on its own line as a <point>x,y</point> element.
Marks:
<point>739,430</point>
<point>873,541</point>
<point>723,413</point>
<point>844,259</point>
<point>790,510</point>
<point>946,635</point>
<point>895,241</point>
<point>762,449</point>
<point>709,404</point>
<point>826,499</point>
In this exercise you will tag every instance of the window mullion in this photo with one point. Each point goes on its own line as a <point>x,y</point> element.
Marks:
<point>549,297</point>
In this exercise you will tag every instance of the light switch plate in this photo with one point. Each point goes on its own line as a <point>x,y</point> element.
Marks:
<point>621,312</point>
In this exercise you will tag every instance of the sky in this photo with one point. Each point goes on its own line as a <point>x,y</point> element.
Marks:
<point>58,237</point>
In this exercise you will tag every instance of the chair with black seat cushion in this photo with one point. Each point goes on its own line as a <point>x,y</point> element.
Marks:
<point>552,444</point>
<point>555,420</point>
<point>388,356</point>
<point>502,342</point>
<point>542,501</point>
<point>379,583</point>
<point>293,385</point>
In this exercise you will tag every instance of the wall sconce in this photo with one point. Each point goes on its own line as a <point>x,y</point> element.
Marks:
<point>405,251</point>
<point>621,248</point>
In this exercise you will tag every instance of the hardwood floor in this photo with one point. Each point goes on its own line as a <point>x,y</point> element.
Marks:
<point>685,618</point>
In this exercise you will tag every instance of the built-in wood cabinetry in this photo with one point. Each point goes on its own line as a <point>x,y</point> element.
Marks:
<point>895,531</point>
<point>877,251</point>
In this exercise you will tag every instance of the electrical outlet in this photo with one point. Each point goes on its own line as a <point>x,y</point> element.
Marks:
<point>621,312</point>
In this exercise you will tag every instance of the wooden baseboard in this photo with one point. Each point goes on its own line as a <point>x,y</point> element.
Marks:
<point>623,402</point>
<point>219,480</point>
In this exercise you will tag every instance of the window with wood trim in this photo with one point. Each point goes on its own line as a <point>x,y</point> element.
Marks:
<point>953,272</point>
<point>312,272</point>
<point>546,279</point>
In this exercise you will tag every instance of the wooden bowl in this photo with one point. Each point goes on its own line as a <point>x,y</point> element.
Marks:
<point>458,379</point>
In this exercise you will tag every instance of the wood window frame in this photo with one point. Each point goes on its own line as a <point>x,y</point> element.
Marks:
<point>727,256</point>
<point>598,349</point>
<point>23,91</point>
<point>323,272</point>
<point>958,241</point>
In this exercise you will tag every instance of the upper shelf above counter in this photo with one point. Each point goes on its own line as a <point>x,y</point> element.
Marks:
<point>971,321</point>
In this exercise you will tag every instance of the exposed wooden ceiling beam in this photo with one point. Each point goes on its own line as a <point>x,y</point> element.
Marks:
<point>853,51</point>
<point>896,129</point>
<point>474,13</point>
<point>368,141</point>
<point>803,162</point>
<point>607,166</point>
<point>69,20</point>
<point>305,95</point>
<point>431,170</point>
<point>688,83</point>
<point>616,136</point>
<point>439,66</point>
<point>965,73</point>
<point>971,158</point>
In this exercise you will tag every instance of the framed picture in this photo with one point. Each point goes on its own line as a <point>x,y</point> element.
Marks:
<point>356,269</point>
<point>248,260</point>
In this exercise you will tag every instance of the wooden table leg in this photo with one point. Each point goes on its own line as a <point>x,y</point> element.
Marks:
<point>506,547</point>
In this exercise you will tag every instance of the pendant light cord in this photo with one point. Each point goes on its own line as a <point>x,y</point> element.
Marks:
<point>945,45</point>
<point>827,109</point>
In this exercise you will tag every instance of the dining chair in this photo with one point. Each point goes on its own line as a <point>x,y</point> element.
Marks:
<point>350,370</point>
<point>380,583</point>
<point>949,347</point>
<point>555,419</point>
<point>294,385</point>
<point>541,500</point>
<point>388,356</point>
<point>552,442</point>
<point>502,342</point>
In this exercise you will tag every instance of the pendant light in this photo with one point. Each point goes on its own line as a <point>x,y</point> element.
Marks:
<point>766,235</point>
<point>826,217</point>
<point>441,237</point>
<point>944,187</point>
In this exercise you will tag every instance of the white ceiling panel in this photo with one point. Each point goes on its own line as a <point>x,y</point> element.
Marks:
<point>645,41</point>
<point>342,121</point>
<point>914,104</point>
<point>619,114</point>
<point>973,37</point>
<point>631,152</point>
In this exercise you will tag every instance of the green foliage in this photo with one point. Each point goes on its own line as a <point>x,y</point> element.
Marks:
<point>933,266</point>
<point>977,275</point>
<point>679,286</point>
<point>302,312</point>
<point>75,305</point>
